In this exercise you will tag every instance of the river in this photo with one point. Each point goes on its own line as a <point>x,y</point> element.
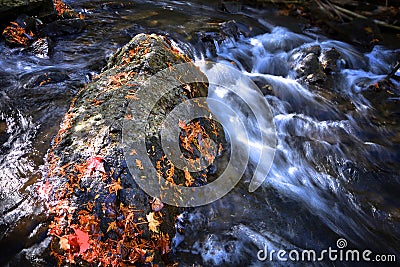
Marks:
<point>335,174</point>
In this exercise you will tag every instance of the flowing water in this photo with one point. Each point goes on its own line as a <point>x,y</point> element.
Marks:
<point>336,168</point>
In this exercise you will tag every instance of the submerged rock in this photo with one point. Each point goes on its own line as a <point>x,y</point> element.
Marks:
<point>42,47</point>
<point>315,66</point>
<point>383,97</point>
<point>63,27</point>
<point>209,41</point>
<point>231,6</point>
<point>101,216</point>
<point>310,69</point>
<point>329,59</point>
<point>42,78</point>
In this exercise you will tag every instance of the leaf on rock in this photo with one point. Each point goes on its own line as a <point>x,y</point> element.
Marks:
<point>153,222</point>
<point>64,244</point>
<point>112,226</point>
<point>95,163</point>
<point>182,125</point>
<point>82,239</point>
<point>115,186</point>
<point>139,164</point>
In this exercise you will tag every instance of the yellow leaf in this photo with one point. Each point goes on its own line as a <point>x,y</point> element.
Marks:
<point>112,226</point>
<point>64,243</point>
<point>149,258</point>
<point>153,222</point>
<point>139,164</point>
<point>115,186</point>
<point>368,29</point>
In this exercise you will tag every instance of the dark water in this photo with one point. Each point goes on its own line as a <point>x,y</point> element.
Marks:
<point>336,168</point>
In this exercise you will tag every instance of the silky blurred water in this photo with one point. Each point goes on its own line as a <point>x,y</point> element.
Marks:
<point>336,168</point>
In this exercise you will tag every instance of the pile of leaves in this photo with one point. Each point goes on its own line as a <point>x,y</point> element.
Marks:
<point>65,11</point>
<point>195,137</point>
<point>77,230</point>
<point>16,35</point>
<point>78,234</point>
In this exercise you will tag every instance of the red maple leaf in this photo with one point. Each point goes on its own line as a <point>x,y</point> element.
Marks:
<point>82,239</point>
<point>95,163</point>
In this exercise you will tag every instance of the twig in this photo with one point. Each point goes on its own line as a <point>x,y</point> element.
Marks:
<point>322,6</point>
<point>335,10</point>
<point>379,22</point>
<point>326,7</point>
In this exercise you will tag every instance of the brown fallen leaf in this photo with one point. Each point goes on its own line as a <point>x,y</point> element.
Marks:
<point>115,186</point>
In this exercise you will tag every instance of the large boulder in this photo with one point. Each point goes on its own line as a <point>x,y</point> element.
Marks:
<point>100,214</point>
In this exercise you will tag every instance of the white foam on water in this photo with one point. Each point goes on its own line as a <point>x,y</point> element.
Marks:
<point>305,137</point>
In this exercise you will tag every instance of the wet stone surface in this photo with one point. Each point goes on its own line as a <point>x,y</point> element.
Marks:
<point>88,170</point>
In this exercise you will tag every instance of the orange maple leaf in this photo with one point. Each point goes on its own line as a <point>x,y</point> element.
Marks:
<point>115,186</point>
<point>182,125</point>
